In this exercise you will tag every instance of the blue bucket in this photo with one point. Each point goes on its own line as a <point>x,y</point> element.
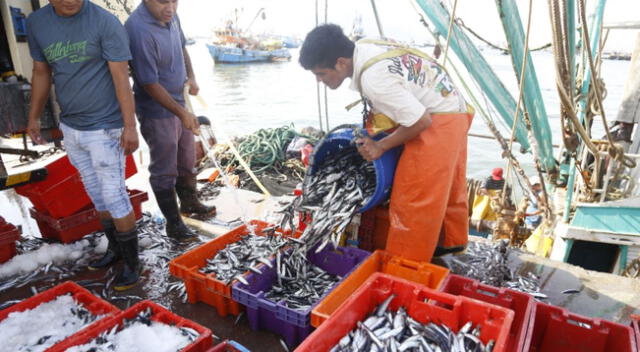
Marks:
<point>385,166</point>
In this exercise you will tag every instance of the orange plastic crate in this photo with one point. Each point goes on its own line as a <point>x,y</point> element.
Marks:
<point>423,273</point>
<point>423,304</point>
<point>160,314</point>
<point>205,287</point>
<point>95,305</point>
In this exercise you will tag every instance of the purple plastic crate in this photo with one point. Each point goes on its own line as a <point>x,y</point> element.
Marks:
<point>293,325</point>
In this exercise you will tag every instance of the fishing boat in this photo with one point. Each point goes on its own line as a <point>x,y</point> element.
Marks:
<point>591,198</point>
<point>235,55</point>
<point>234,45</point>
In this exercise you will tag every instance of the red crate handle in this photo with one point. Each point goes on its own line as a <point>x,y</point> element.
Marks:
<point>581,322</point>
<point>490,291</point>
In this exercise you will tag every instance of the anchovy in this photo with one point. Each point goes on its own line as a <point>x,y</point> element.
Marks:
<point>488,263</point>
<point>341,185</point>
<point>244,255</point>
<point>386,330</point>
<point>299,283</point>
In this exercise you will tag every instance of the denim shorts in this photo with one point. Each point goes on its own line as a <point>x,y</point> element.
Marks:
<point>100,160</point>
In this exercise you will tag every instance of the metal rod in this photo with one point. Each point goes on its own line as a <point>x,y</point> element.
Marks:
<point>375,13</point>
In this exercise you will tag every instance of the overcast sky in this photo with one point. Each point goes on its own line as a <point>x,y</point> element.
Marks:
<point>399,18</point>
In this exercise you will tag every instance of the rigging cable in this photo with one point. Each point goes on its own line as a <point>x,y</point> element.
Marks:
<point>497,47</point>
<point>318,83</point>
<point>326,98</point>
<point>533,141</point>
<point>487,116</point>
<point>453,16</point>
<point>615,150</point>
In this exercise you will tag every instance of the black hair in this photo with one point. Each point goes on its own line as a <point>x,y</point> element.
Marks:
<point>323,46</point>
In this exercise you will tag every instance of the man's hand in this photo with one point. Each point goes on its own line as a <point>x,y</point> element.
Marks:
<point>190,121</point>
<point>33,129</point>
<point>193,86</point>
<point>369,149</point>
<point>129,140</point>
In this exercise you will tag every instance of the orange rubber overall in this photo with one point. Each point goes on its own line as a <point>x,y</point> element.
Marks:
<point>429,198</point>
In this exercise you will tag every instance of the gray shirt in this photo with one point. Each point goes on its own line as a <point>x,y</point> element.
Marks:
<point>78,48</point>
<point>157,58</point>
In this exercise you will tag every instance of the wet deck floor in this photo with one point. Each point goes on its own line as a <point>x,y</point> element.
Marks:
<point>600,295</point>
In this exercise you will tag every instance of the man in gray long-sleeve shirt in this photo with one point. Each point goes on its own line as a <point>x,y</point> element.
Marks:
<point>161,68</point>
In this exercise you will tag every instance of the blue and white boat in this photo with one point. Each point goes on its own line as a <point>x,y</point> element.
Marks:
<point>228,54</point>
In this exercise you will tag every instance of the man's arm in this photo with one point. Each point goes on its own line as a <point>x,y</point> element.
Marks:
<point>372,150</point>
<point>120,75</point>
<point>40,87</point>
<point>191,77</point>
<point>160,95</point>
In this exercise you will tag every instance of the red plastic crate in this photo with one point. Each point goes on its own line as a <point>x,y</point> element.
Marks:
<point>423,273</point>
<point>9,234</point>
<point>423,304</point>
<point>635,324</point>
<point>374,228</point>
<point>74,227</point>
<point>555,329</point>
<point>205,287</point>
<point>90,302</point>
<point>160,314</point>
<point>523,305</point>
<point>228,346</point>
<point>62,193</point>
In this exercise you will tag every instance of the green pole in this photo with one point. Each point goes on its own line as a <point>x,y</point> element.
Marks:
<point>586,83</point>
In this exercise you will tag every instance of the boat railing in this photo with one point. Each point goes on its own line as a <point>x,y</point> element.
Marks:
<point>618,181</point>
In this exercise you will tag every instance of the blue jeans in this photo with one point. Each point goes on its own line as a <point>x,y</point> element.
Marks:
<point>100,161</point>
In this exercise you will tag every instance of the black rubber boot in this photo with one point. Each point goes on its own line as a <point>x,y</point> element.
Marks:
<point>129,274</point>
<point>188,194</point>
<point>440,251</point>
<point>168,205</point>
<point>112,255</point>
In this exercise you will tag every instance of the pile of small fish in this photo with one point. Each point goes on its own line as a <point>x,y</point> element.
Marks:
<point>385,330</point>
<point>156,250</point>
<point>488,263</point>
<point>116,339</point>
<point>244,255</point>
<point>45,325</point>
<point>342,184</point>
<point>299,284</point>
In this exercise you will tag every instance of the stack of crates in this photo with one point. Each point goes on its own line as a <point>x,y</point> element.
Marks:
<point>62,208</point>
<point>9,234</point>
